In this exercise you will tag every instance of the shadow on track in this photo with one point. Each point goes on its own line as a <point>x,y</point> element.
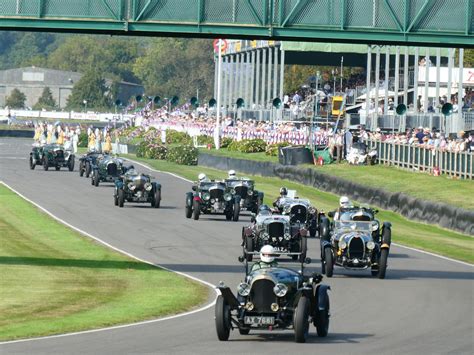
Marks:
<point>288,336</point>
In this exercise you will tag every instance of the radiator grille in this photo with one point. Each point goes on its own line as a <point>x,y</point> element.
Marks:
<point>262,295</point>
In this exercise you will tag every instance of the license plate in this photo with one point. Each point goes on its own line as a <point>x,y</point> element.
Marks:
<point>256,320</point>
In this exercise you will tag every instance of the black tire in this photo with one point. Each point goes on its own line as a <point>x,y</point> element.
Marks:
<point>301,320</point>
<point>45,163</point>
<point>57,168</point>
<point>228,215</point>
<point>189,211</point>
<point>222,314</point>
<point>88,169</point>
<point>303,248</point>
<point>157,198</point>
<point>236,212</point>
<point>328,261</point>
<point>116,200</point>
<point>121,197</point>
<point>324,229</point>
<point>196,210</point>
<point>382,263</point>
<point>81,169</point>
<point>387,236</point>
<point>95,178</point>
<point>321,320</point>
<point>32,163</point>
<point>71,163</point>
<point>248,248</point>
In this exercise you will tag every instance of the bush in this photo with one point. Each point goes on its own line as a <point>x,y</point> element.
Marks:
<point>83,140</point>
<point>183,155</point>
<point>141,150</point>
<point>272,149</point>
<point>151,151</point>
<point>225,142</point>
<point>234,146</point>
<point>177,137</point>
<point>252,145</point>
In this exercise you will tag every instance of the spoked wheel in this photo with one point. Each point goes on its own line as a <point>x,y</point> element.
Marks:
<point>157,198</point>
<point>321,320</point>
<point>236,212</point>
<point>88,169</point>
<point>301,321</point>
<point>70,164</point>
<point>324,229</point>
<point>222,314</point>
<point>196,210</point>
<point>32,163</point>
<point>382,263</point>
<point>121,197</point>
<point>45,163</point>
<point>328,261</point>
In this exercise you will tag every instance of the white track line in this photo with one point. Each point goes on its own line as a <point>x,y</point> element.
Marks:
<point>122,252</point>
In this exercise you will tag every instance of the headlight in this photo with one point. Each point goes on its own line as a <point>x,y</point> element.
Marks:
<point>287,236</point>
<point>232,191</point>
<point>250,192</point>
<point>265,236</point>
<point>131,186</point>
<point>375,225</point>
<point>227,197</point>
<point>312,210</point>
<point>370,245</point>
<point>243,289</point>
<point>342,244</point>
<point>280,290</point>
<point>148,186</point>
<point>206,196</point>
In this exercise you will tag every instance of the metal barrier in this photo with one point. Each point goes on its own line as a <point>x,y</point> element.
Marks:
<point>432,161</point>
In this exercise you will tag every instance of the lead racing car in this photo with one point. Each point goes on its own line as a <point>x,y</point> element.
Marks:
<point>271,298</point>
<point>275,230</point>
<point>51,155</point>
<point>135,187</point>
<point>211,197</point>
<point>356,242</point>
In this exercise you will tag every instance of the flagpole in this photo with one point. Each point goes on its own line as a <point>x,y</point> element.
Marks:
<point>219,68</point>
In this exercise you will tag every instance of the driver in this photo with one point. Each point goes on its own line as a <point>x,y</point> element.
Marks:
<point>203,178</point>
<point>232,175</point>
<point>344,203</point>
<point>267,259</point>
<point>283,194</point>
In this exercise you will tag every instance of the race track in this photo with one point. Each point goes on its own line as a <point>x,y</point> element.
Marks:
<point>424,306</point>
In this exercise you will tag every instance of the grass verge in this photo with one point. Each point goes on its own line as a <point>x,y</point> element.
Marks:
<point>419,185</point>
<point>53,280</point>
<point>414,234</point>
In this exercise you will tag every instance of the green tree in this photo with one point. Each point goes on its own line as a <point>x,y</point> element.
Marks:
<point>177,67</point>
<point>91,87</point>
<point>46,101</point>
<point>16,99</point>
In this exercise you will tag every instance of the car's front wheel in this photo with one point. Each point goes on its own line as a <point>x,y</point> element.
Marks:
<point>70,164</point>
<point>222,314</point>
<point>248,248</point>
<point>157,198</point>
<point>95,178</point>
<point>196,210</point>
<point>382,263</point>
<point>321,321</point>
<point>121,197</point>
<point>303,248</point>
<point>81,169</point>
<point>88,169</point>
<point>45,163</point>
<point>301,320</point>
<point>328,262</point>
<point>32,163</point>
<point>236,212</point>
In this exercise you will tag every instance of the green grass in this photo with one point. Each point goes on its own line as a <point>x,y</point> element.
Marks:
<point>52,280</point>
<point>416,184</point>
<point>15,128</point>
<point>414,234</point>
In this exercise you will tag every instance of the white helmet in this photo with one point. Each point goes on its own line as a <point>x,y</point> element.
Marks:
<point>202,177</point>
<point>231,174</point>
<point>267,254</point>
<point>344,201</point>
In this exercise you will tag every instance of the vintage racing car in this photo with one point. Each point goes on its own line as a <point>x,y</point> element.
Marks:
<point>51,155</point>
<point>356,241</point>
<point>107,169</point>
<point>135,187</point>
<point>250,199</point>
<point>275,230</point>
<point>87,161</point>
<point>274,298</point>
<point>210,197</point>
<point>301,213</point>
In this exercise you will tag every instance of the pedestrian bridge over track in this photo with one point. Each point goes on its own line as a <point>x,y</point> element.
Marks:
<point>421,22</point>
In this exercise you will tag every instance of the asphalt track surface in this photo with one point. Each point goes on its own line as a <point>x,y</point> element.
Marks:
<point>424,306</point>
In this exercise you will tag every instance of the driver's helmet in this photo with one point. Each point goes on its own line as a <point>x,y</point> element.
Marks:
<point>231,174</point>
<point>344,202</point>
<point>267,254</point>
<point>283,191</point>
<point>202,177</point>
<point>264,210</point>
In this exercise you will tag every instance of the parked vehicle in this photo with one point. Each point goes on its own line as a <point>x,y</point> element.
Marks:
<point>51,155</point>
<point>210,197</point>
<point>135,187</point>
<point>356,241</point>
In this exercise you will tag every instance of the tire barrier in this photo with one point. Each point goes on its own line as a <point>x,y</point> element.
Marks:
<point>446,216</point>
<point>16,133</point>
